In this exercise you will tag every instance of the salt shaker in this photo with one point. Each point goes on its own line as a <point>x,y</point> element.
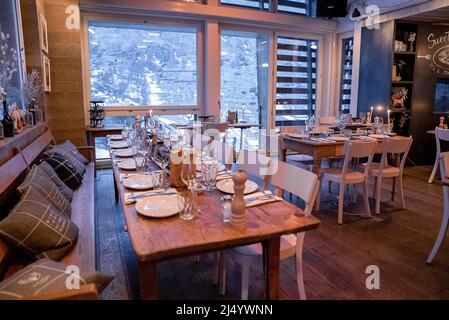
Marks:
<point>226,208</point>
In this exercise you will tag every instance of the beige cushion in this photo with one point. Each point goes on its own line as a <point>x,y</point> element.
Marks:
<point>38,229</point>
<point>41,182</point>
<point>46,276</point>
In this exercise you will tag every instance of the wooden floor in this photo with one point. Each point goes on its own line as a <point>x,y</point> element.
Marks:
<point>398,242</point>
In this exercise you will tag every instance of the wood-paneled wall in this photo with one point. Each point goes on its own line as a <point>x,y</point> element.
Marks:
<point>64,110</point>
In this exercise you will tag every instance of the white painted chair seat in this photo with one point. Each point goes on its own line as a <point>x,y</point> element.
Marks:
<point>387,172</point>
<point>351,177</point>
<point>288,243</point>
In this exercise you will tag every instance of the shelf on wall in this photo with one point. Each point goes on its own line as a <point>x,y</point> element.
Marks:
<point>405,52</point>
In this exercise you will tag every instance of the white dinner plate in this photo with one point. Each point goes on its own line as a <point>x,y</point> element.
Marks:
<point>119,145</point>
<point>116,137</point>
<point>377,136</point>
<point>296,135</point>
<point>221,167</point>
<point>161,206</point>
<point>139,182</point>
<point>128,164</point>
<point>337,138</point>
<point>227,186</point>
<point>124,153</point>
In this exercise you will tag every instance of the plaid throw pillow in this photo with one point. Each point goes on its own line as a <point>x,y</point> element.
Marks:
<point>48,169</point>
<point>38,229</point>
<point>63,152</point>
<point>70,147</point>
<point>42,183</point>
<point>65,171</point>
<point>45,276</point>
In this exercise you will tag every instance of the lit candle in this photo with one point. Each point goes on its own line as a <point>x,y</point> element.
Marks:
<point>151,113</point>
<point>372,108</point>
<point>388,115</point>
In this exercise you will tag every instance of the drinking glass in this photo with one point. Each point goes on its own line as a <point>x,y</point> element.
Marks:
<point>189,176</point>
<point>157,177</point>
<point>209,169</point>
<point>161,155</point>
<point>185,206</point>
<point>141,163</point>
<point>362,116</point>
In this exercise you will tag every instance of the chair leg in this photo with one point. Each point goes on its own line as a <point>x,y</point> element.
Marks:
<point>341,200</point>
<point>443,228</point>
<point>299,269</point>
<point>365,196</point>
<point>401,191</point>
<point>375,187</point>
<point>216,263</point>
<point>393,189</point>
<point>434,170</point>
<point>222,266</point>
<point>245,280</point>
<point>354,194</point>
<point>378,194</point>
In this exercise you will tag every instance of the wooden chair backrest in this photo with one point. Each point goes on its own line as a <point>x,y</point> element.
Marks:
<point>297,181</point>
<point>396,145</point>
<point>358,149</point>
<point>441,134</point>
<point>257,164</point>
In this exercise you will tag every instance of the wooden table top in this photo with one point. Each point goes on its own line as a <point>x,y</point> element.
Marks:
<point>159,239</point>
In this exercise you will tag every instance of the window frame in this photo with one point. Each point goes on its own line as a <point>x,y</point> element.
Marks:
<point>126,110</point>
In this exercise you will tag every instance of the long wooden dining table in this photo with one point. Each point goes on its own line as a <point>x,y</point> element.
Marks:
<point>155,240</point>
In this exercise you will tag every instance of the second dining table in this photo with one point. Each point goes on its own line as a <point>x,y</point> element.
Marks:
<point>155,240</point>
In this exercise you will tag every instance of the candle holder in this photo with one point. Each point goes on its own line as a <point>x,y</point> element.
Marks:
<point>97,114</point>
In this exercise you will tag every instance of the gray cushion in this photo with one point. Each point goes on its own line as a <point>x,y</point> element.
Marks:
<point>48,169</point>
<point>38,229</point>
<point>69,146</point>
<point>66,172</point>
<point>66,154</point>
<point>42,183</point>
<point>45,276</point>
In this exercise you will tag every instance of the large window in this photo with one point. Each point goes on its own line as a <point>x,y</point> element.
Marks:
<point>346,75</point>
<point>285,6</point>
<point>296,80</point>
<point>244,80</point>
<point>11,57</point>
<point>143,64</point>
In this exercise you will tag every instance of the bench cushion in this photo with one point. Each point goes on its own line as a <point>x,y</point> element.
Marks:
<point>48,169</point>
<point>46,276</point>
<point>70,147</point>
<point>38,229</point>
<point>65,171</point>
<point>41,182</point>
<point>73,160</point>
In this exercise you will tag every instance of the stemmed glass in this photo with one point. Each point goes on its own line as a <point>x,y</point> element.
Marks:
<point>341,123</point>
<point>362,116</point>
<point>189,175</point>
<point>161,155</point>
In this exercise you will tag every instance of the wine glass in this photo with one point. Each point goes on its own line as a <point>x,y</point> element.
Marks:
<point>161,155</point>
<point>362,116</point>
<point>189,177</point>
<point>341,123</point>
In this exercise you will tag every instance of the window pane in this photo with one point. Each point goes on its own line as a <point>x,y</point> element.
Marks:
<point>346,75</point>
<point>257,4</point>
<point>244,81</point>
<point>135,64</point>
<point>293,6</point>
<point>296,80</point>
<point>9,31</point>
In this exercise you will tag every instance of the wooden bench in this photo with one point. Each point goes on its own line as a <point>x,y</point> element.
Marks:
<point>12,173</point>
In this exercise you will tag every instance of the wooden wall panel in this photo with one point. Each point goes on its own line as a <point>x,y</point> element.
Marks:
<point>65,111</point>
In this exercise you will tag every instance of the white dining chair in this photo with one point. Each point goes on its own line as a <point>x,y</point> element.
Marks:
<point>397,146</point>
<point>440,134</point>
<point>256,164</point>
<point>346,175</point>
<point>305,185</point>
<point>444,170</point>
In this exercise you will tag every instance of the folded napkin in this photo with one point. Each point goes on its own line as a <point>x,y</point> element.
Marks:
<point>259,198</point>
<point>129,200</point>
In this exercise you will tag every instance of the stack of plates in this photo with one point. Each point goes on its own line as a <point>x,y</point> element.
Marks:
<point>116,137</point>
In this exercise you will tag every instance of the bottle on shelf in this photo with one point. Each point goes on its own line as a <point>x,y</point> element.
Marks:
<point>8,124</point>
